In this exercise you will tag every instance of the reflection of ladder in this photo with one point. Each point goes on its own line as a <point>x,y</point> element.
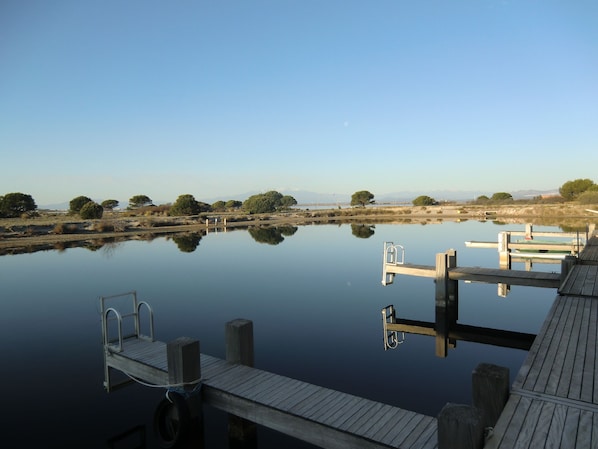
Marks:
<point>391,338</point>
<point>120,323</point>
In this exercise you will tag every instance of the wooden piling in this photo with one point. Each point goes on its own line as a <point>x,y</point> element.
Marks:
<point>566,264</point>
<point>239,341</point>
<point>442,294</point>
<point>239,349</point>
<point>460,427</point>
<point>504,256</point>
<point>490,391</point>
<point>182,357</point>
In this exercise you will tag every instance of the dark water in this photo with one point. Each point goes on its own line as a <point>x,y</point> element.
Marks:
<point>315,300</point>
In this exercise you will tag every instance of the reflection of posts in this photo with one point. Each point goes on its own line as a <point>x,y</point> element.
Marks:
<point>446,301</point>
<point>239,349</point>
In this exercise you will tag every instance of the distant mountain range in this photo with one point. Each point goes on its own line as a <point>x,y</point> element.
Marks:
<point>305,197</point>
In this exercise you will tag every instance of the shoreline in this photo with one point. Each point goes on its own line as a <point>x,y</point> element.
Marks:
<point>57,231</point>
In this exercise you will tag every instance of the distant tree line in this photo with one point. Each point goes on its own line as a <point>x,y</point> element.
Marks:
<point>18,204</point>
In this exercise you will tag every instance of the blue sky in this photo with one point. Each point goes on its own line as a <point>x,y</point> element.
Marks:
<point>114,98</point>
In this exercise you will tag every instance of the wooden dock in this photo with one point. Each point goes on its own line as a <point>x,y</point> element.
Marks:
<point>554,399</point>
<point>475,274</point>
<point>553,402</point>
<point>318,415</point>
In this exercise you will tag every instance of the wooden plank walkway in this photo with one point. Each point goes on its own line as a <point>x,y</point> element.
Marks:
<point>318,415</point>
<point>589,256</point>
<point>554,399</point>
<point>479,274</point>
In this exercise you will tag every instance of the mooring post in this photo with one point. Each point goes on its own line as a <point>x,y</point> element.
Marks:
<point>453,296</point>
<point>529,230</point>
<point>490,391</point>
<point>184,371</point>
<point>504,256</point>
<point>239,349</point>
<point>442,294</point>
<point>184,366</point>
<point>460,427</point>
<point>566,264</point>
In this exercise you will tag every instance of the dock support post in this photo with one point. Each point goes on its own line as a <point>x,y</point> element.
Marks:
<point>446,301</point>
<point>460,427</point>
<point>529,232</point>
<point>441,305</point>
<point>239,349</point>
<point>504,256</point>
<point>566,264</point>
<point>183,360</point>
<point>490,391</point>
<point>182,355</point>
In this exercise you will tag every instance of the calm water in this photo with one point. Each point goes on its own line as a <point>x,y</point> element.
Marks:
<point>315,300</point>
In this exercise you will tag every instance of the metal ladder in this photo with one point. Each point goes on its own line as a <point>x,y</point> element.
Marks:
<point>113,341</point>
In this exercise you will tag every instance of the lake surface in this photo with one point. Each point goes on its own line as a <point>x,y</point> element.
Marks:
<point>315,299</point>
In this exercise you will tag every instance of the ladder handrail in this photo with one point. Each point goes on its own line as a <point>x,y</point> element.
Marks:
<point>107,343</point>
<point>137,321</point>
<point>135,314</point>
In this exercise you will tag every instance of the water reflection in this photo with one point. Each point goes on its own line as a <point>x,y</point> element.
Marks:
<point>447,331</point>
<point>362,231</point>
<point>321,275</point>
<point>272,235</point>
<point>187,243</point>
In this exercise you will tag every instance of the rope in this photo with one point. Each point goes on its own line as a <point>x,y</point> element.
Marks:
<point>196,382</point>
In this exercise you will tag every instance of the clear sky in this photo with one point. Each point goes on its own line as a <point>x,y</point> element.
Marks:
<point>113,98</point>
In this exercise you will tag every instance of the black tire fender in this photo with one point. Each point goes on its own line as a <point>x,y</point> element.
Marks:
<point>172,420</point>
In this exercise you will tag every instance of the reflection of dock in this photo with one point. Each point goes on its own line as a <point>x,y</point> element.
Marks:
<point>454,332</point>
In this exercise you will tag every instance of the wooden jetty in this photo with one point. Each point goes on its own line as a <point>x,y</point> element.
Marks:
<point>552,403</point>
<point>530,249</point>
<point>554,399</point>
<point>394,264</point>
<point>318,415</point>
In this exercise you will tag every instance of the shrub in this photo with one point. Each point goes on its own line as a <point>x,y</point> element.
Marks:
<point>65,228</point>
<point>91,210</point>
<point>588,197</point>
<point>76,204</point>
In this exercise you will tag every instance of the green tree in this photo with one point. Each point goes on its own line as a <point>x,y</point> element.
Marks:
<point>110,204</point>
<point>572,189</point>
<point>501,197</point>
<point>287,201</point>
<point>77,203</point>
<point>15,204</point>
<point>590,196</point>
<point>482,199</point>
<point>266,202</point>
<point>91,210</point>
<point>424,200</point>
<point>233,204</point>
<point>137,201</point>
<point>219,206</point>
<point>185,205</point>
<point>362,198</point>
